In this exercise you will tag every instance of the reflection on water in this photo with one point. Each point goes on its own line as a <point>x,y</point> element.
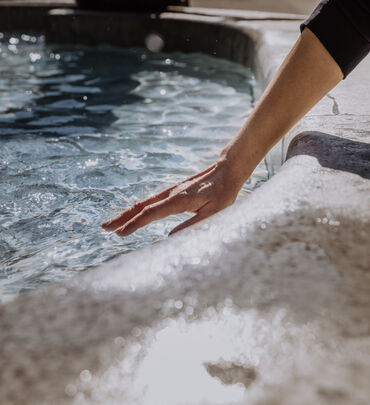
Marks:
<point>86,132</point>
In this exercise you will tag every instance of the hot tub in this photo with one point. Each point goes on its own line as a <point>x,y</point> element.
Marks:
<point>267,302</point>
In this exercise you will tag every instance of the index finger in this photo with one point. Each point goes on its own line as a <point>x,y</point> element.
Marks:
<point>121,219</point>
<point>131,212</point>
<point>161,209</point>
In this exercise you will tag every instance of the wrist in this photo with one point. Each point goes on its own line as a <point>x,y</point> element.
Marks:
<point>239,164</point>
<point>236,170</point>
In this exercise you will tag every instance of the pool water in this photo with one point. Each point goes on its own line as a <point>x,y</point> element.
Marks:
<point>86,132</point>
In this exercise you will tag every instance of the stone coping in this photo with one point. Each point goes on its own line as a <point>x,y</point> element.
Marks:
<point>281,6</point>
<point>37,3</point>
<point>266,302</point>
<point>27,15</point>
<point>238,14</point>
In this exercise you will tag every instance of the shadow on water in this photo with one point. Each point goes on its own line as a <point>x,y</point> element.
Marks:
<point>76,89</point>
<point>333,152</point>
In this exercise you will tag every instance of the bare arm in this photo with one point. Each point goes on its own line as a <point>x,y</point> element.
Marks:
<point>307,74</point>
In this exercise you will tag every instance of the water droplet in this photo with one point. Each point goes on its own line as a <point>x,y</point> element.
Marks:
<point>154,42</point>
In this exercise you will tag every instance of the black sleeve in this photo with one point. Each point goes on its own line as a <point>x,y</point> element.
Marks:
<point>343,27</point>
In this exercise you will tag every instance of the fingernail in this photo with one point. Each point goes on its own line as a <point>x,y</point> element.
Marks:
<point>121,232</point>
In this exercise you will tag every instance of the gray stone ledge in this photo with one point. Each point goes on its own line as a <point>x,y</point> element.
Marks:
<point>333,152</point>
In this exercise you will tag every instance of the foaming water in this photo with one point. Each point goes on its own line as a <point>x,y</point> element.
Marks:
<point>86,132</point>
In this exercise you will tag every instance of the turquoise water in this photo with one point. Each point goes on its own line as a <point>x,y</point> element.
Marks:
<point>85,132</point>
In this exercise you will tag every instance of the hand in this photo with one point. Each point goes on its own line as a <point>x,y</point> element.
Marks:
<point>204,194</point>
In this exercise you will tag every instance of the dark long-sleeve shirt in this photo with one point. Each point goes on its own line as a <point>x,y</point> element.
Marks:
<point>343,27</point>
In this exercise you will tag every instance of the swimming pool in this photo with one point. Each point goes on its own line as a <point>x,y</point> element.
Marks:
<point>85,132</point>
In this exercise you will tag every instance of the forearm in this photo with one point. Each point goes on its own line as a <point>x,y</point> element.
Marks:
<point>307,74</point>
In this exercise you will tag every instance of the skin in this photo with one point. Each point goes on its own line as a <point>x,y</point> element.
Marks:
<point>307,74</point>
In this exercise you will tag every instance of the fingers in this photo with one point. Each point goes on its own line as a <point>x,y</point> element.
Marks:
<point>209,168</point>
<point>202,214</point>
<point>114,223</point>
<point>130,213</point>
<point>152,213</point>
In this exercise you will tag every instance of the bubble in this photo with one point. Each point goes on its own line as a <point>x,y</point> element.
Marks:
<point>332,222</point>
<point>119,341</point>
<point>154,42</point>
<point>25,37</point>
<point>34,57</point>
<point>13,48</point>
<point>85,376</point>
<point>178,304</point>
<point>136,332</point>
<point>189,310</point>
<point>71,390</point>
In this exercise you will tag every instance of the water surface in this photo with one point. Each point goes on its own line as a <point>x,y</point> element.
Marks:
<point>86,132</point>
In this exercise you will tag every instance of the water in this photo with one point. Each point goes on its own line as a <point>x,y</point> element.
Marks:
<point>86,132</point>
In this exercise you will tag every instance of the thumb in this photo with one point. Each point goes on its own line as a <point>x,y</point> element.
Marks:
<point>205,212</point>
